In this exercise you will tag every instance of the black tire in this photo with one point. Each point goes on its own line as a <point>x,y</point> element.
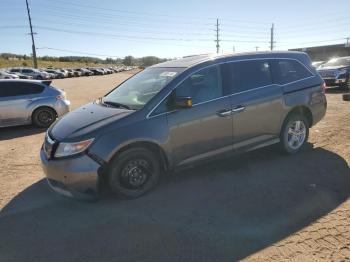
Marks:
<point>39,77</point>
<point>43,117</point>
<point>286,138</point>
<point>346,86</point>
<point>133,172</point>
<point>346,97</point>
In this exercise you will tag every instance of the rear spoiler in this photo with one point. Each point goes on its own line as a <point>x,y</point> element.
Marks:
<point>46,82</point>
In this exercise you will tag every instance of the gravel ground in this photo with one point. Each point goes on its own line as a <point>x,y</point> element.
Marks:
<point>257,206</point>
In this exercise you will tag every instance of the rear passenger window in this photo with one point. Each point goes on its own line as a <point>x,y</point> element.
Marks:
<point>14,88</point>
<point>247,75</point>
<point>288,71</point>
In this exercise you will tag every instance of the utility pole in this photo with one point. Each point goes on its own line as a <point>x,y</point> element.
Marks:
<point>35,62</point>
<point>347,42</point>
<point>256,48</point>
<point>217,36</point>
<point>272,37</point>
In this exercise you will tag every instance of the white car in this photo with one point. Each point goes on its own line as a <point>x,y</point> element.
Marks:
<point>5,75</point>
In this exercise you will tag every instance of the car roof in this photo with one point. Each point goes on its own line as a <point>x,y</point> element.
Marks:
<point>189,61</point>
<point>42,82</point>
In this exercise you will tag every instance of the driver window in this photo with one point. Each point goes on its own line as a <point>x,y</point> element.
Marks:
<point>202,86</point>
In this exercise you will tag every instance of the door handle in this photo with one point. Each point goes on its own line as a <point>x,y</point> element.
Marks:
<point>224,112</point>
<point>238,109</point>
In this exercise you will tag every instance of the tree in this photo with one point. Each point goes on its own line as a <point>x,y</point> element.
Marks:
<point>129,60</point>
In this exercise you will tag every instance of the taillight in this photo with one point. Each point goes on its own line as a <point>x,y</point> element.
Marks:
<point>60,97</point>
<point>323,87</point>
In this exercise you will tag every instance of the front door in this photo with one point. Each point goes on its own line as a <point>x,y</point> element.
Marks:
<point>205,129</point>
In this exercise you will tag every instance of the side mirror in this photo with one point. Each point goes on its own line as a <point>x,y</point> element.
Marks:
<point>183,102</point>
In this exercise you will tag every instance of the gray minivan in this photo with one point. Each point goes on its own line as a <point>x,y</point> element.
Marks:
<point>180,112</point>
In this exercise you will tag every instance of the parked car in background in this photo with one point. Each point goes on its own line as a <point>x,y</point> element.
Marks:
<point>35,73</point>
<point>30,102</point>
<point>6,75</point>
<point>55,73</point>
<point>21,76</point>
<point>104,71</point>
<point>64,72</point>
<point>70,72</point>
<point>76,73</point>
<point>336,72</point>
<point>84,72</point>
<point>316,64</point>
<point>180,112</point>
<point>96,71</point>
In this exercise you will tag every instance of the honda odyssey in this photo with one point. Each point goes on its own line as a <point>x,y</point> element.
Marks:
<point>180,112</point>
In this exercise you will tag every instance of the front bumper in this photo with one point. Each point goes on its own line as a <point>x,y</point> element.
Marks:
<point>334,81</point>
<point>72,177</point>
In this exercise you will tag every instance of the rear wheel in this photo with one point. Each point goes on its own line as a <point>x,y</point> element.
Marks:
<point>43,117</point>
<point>294,134</point>
<point>133,172</point>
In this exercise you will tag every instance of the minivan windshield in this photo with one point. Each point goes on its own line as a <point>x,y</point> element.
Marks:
<point>345,61</point>
<point>135,92</point>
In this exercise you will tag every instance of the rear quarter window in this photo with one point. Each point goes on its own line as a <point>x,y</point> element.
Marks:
<point>288,71</point>
<point>10,89</point>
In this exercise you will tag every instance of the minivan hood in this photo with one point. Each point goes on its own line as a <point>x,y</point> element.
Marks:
<point>86,119</point>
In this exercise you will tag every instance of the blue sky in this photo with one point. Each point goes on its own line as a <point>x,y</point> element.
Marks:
<point>169,28</point>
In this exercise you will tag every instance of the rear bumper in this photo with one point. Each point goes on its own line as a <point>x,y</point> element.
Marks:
<point>62,107</point>
<point>72,177</point>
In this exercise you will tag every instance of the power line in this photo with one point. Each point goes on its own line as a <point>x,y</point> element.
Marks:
<point>77,52</point>
<point>119,36</point>
<point>112,28</point>
<point>125,11</point>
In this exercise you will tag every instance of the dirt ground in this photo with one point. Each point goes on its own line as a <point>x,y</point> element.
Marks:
<point>260,206</point>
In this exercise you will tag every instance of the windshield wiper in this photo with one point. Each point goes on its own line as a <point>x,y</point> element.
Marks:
<point>115,104</point>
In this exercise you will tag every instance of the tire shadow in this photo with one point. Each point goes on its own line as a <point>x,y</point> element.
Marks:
<point>222,211</point>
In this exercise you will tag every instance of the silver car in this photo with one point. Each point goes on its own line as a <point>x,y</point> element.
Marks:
<point>6,75</point>
<point>30,102</point>
<point>35,73</point>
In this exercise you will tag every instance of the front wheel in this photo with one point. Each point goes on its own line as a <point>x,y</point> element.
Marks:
<point>133,172</point>
<point>294,134</point>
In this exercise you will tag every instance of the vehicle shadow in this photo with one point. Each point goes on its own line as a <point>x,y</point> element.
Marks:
<point>222,211</point>
<point>7,133</point>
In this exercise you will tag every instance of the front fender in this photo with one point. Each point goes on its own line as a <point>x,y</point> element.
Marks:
<point>153,130</point>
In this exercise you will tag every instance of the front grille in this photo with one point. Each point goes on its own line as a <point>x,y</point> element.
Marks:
<point>327,73</point>
<point>49,146</point>
<point>330,82</point>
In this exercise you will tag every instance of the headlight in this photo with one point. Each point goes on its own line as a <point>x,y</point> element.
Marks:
<point>342,72</point>
<point>68,149</point>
